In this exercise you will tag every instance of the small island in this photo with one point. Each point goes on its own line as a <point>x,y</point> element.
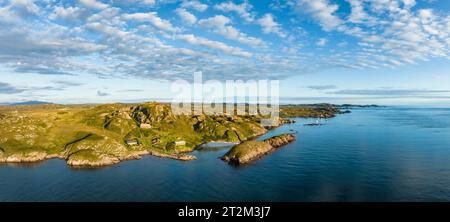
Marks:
<point>251,150</point>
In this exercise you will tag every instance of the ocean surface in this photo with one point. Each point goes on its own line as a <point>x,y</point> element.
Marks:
<point>372,154</point>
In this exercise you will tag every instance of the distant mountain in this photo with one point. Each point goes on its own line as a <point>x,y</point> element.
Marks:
<point>32,102</point>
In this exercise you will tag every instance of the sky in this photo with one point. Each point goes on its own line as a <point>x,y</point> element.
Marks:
<point>337,51</point>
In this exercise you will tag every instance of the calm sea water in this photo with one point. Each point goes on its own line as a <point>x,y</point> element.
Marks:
<point>379,154</point>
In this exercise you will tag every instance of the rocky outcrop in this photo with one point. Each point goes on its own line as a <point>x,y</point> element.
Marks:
<point>246,152</point>
<point>2,157</point>
<point>183,157</point>
<point>103,161</point>
<point>87,158</point>
<point>252,150</point>
<point>281,140</point>
<point>26,157</point>
<point>136,155</point>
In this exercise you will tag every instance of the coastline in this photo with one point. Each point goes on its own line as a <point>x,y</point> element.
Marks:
<point>97,136</point>
<point>108,160</point>
<point>35,157</point>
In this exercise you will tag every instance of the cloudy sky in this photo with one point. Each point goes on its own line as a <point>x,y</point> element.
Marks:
<point>355,51</point>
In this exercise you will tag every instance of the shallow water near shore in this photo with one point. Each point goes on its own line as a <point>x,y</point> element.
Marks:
<point>373,154</point>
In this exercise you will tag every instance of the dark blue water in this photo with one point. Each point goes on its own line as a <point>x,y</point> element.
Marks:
<point>382,154</point>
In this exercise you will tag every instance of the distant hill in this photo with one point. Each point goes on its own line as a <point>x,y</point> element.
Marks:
<point>32,102</point>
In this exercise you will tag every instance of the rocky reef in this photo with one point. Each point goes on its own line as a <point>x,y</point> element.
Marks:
<point>251,150</point>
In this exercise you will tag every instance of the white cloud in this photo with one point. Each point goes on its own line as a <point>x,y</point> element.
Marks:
<point>107,30</point>
<point>214,45</point>
<point>358,13</point>
<point>322,11</point>
<point>186,16</point>
<point>342,44</point>
<point>149,2</point>
<point>322,42</point>
<point>109,42</point>
<point>379,6</point>
<point>194,5</point>
<point>221,25</point>
<point>26,5</point>
<point>43,48</point>
<point>425,14</point>
<point>8,17</point>
<point>94,4</point>
<point>216,21</point>
<point>409,3</point>
<point>243,10</point>
<point>69,13</point>
<point>109,14</point>
<point>152,18</point>
<point>268,25</point>
<point>389,33</point>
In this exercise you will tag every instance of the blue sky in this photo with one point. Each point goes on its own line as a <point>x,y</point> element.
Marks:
<point>339,51</point>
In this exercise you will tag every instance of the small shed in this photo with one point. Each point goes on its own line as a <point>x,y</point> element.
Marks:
<point>132,142</point>
<point>145,126</point>
<point>180,143</point>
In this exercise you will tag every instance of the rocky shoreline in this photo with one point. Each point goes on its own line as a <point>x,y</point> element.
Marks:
<point>182,157</point>
<point>101,161</point>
